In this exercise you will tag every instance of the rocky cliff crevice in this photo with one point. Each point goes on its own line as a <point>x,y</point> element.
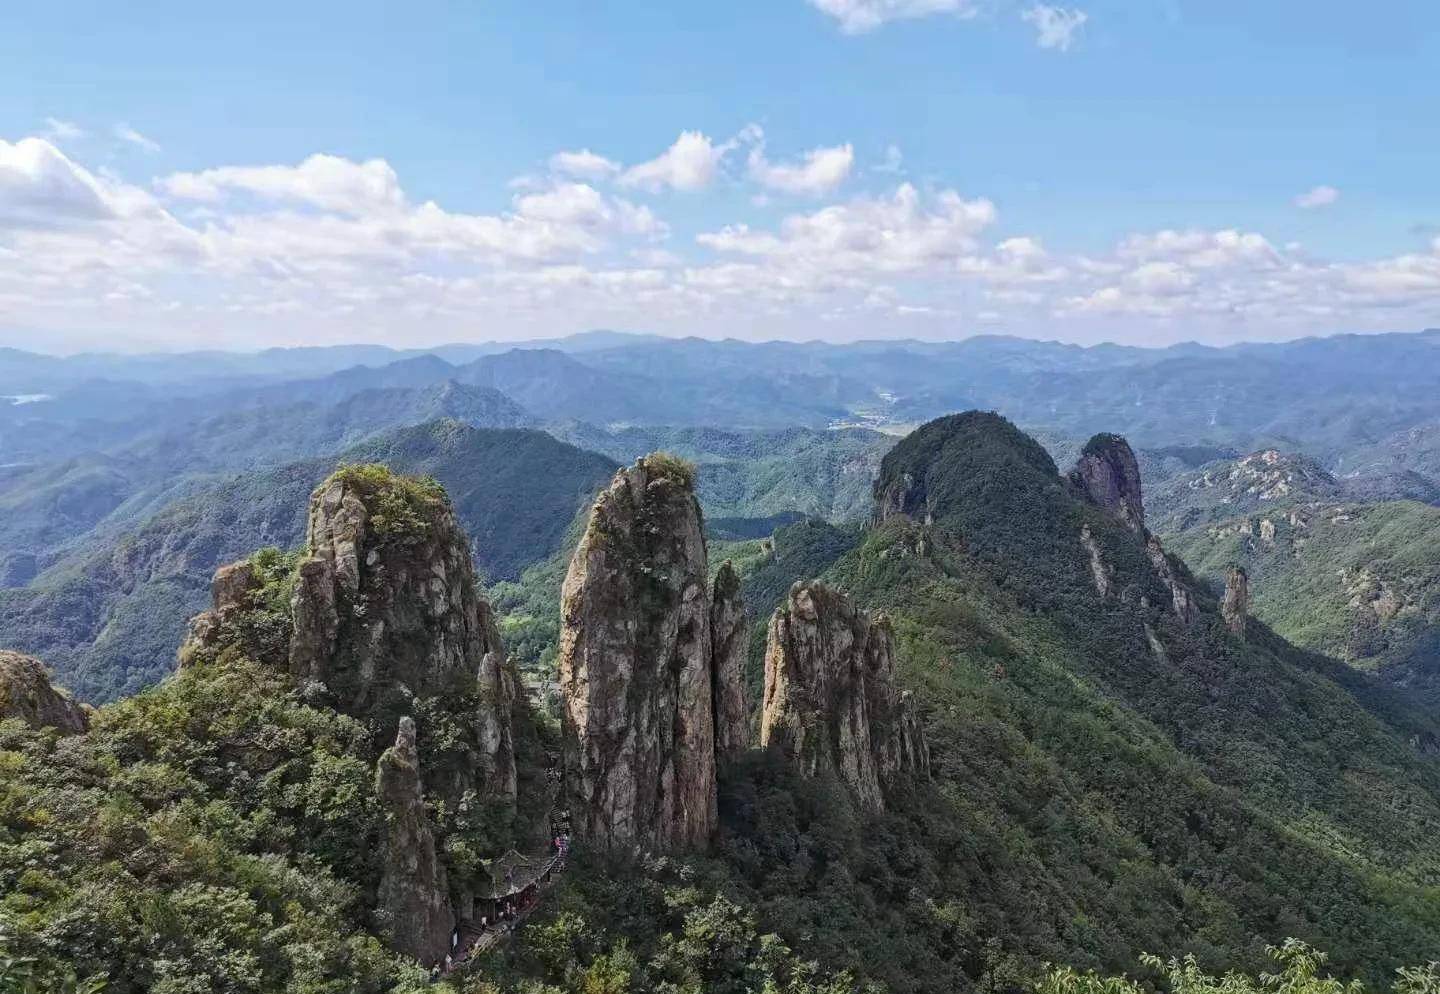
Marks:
<point>832,706</point>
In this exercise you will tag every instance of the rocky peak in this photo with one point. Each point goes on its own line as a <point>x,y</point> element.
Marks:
<point>832,706</point>
<point>26,693</point>
<point>728,635</point>
<point>636,665</point>
<point>1235,607</point>
<point>387,608</point>
<point>413,897</point>
<point>1109,476</point>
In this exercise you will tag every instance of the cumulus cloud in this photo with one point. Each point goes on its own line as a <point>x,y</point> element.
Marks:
<point>859,16</point>
<point>1317,196</point>
<point>325,181</point>
<point>1055,27</point>
<point>821,170</point>
<point>41,187</point>
<point>692,163</point>
<point>583,164</point>
<point>128,134</point>
<point>902,232</point>
<point>332,243</point>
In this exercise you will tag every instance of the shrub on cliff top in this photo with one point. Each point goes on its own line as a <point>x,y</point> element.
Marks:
<point>672,467</point>
<point>401,507</point>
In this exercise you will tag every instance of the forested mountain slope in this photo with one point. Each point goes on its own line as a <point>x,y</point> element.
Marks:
<point>1113,766</point>
<point>1354,578</point>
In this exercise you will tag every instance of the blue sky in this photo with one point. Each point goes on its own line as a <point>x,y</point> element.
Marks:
<point>1138,171</point>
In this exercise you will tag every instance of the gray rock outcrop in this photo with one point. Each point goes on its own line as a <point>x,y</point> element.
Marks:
<point>1235,606</point>
<point>729,635</point>
<point>1109,476</point>
<point>26,693</point>
<point>387,608</point>
<point>832,706</point>
<point>637,668</point>
<point>413,899</point>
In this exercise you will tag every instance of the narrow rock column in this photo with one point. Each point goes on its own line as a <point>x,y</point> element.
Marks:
<point>636,665</point>
<point>728,637</point>
<point>1235,608</point>
<point>414,899</point>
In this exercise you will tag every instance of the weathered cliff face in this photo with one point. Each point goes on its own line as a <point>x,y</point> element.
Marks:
<point>413,899</point>
<point>387,608</point>
<point>1182,600</point>
<point>1109,475</point>
<point>636,665</point>
<point>1235,607</point>
<point>831,702</point>
<point>902,496</point>
<point>26,693</point>
<point>728,634</point>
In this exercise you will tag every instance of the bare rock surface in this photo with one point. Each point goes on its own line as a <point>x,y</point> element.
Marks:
<point>637,667</point>
<point>1235,607</point>
<point>413,899</point>
<point>1109,475</point>
<point>831,702</point>
<point>729,633</point>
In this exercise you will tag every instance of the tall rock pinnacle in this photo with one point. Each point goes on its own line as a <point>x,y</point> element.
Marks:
<point>1235,607</point>
<point>637,667</point>
<point>413,897</point>
<point>831,702</point>
<point>728,636</point>
<point>387,607</point>
<point>1109,475</point>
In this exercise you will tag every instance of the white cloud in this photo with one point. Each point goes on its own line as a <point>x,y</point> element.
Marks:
<point>335,247</point>
<point>692,163</point>
<point>57,130</point>
<point>859,16</point>
<point>1055,27</point>
<point>821,171</point>
<point>324,181</point>
<point>41,187</point>
<point>584,164</point>
<point>126,133</point>
<point>1318,196</point>
<point>900,233</point>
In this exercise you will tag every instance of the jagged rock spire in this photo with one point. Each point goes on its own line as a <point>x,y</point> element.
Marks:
<point>637,667</point>
<point>1235,607</point>
<point>1108,474</point>
<point>414,895</point>
<point>831,702</point>
<point>728,639</point>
